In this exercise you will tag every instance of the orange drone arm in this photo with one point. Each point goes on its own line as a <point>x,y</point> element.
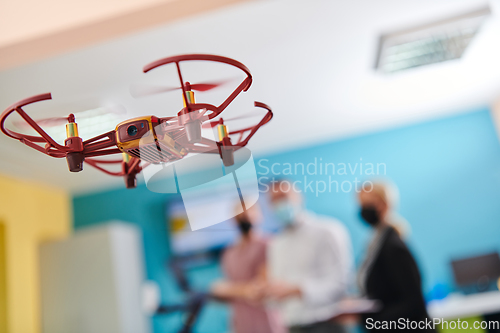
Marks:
<point>95,163</point>
<point>132,164</point>
<point>129,170</point>
<point>97,145</point>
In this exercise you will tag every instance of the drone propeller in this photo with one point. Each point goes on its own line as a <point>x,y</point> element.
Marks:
<point>214,123</point>
<point>141,90</point>
<point>58,121</point>
<point>47,122</point>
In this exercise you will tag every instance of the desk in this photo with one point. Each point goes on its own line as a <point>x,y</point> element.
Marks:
<point>464,306</point>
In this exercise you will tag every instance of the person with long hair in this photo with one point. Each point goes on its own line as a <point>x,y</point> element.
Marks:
<point>244,266</point>
<point>389,273</point>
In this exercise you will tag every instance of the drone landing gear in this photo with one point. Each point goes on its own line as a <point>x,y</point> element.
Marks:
<point>75,159</point>
<point>227,155</point>
<point>226,150</point>
<point>193,131</point>
<point>130,181</point>
<point>130,171</point>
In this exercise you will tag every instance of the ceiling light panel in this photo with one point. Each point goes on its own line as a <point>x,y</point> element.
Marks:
<point>433,43</point>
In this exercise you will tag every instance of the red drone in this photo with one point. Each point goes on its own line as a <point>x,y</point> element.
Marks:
<point>151,139</point>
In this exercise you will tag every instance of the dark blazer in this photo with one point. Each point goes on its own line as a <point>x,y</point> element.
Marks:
<point>394,280</point>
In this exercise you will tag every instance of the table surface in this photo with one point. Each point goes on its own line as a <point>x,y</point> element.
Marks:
<point>463,306</point>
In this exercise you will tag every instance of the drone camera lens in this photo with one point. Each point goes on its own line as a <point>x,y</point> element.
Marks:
<point>132,130</point>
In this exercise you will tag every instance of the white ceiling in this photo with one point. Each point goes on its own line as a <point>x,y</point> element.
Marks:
<point>312,62</point>
<point>58,15</point>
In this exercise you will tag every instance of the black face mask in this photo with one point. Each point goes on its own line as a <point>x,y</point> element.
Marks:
<point>245,226</point>
<point>370,215</point>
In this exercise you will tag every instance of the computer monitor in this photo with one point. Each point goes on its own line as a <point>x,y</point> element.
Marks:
<point>186,242</point>
<point>479,272</point>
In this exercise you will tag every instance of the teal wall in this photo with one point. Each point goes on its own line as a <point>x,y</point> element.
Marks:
<point>447,171</point>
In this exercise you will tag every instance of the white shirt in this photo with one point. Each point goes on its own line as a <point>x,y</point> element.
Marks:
<point>315,254</point>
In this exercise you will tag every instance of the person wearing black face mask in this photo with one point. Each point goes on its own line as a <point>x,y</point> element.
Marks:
<point>370,215</point>
<point>389,272</point>
<point>244,225</point>
<point>244,268</point>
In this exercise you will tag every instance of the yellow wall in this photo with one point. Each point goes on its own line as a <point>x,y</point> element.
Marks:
<point>3,281</point>
<point>29,213</point>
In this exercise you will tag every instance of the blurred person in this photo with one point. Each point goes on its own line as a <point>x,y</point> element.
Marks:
<point>244,265</point>
<point>309,264</point>
<point>389,272</point>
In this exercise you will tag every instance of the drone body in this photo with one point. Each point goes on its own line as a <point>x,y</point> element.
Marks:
<point>138,138</point>
<point>150,139</point>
